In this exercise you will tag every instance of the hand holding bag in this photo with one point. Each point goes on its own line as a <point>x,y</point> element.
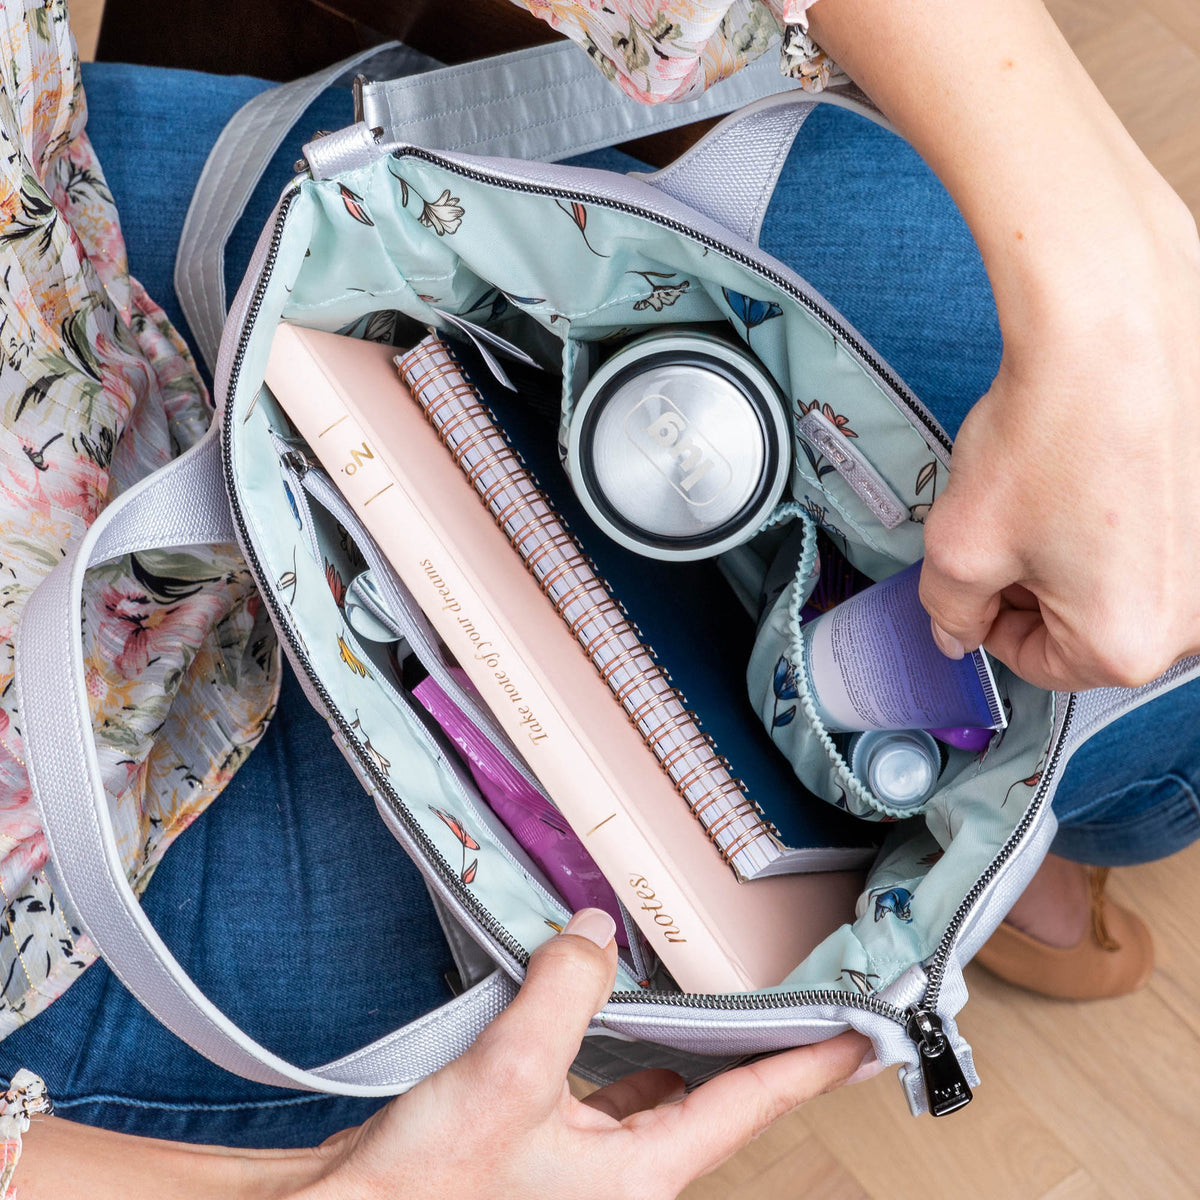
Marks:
<point>378,224</point>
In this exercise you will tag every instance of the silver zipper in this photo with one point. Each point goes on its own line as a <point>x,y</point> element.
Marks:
<point>864,352</point>
<point>912,1017</point>
<point>941,956</point>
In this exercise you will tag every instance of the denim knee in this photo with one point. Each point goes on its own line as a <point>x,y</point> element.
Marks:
<point>1137,823</point>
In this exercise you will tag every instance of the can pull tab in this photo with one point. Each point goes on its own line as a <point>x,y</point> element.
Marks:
<point>946,1087</point>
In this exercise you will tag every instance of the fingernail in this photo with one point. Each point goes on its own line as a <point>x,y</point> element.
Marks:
<point>594,924</point>
<point>867,1069</point>
<point>947,643</point>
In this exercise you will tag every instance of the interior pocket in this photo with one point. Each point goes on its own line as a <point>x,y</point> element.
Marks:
<point>780,694</point>
<point>355,566</point>
<point>778,678</point>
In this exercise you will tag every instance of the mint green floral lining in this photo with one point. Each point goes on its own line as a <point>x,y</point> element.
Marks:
<point>549,272</point>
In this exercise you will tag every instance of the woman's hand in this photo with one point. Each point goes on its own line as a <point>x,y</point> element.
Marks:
<point>498,1122</point>
<point>501,1121</point>
<point>1067,541</point>
<point>1068,538</point>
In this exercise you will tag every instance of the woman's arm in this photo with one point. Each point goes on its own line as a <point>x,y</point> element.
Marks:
<point>499,1122</point>
<point>62,1160</point>
<point>1068,536</point>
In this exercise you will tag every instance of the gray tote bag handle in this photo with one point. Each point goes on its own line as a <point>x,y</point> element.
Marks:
<point>182,504</point>
<point>543,104</point>
<point>731,173</point>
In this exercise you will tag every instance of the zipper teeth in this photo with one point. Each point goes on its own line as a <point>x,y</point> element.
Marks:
<point>941,955</point>
<point>445,872</point>
<point>825,997</point>
<point>864,352</point>
<point>746,1000</point>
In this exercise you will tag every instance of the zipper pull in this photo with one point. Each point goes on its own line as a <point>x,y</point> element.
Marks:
<point>295,465</point>
<point>946,1087</point>
<point>297,462</point>
<point>357,84</point>
<point>358,90</point>
<point>293,453</point>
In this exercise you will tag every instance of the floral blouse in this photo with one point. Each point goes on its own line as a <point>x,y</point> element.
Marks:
<point>659,50</point>
<point>96,391</point>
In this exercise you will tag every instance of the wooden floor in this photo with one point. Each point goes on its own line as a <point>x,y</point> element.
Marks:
<point>1078,1102</point>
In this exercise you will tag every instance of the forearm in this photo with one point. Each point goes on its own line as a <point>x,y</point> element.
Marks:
<point>62,1160</point>
<point>995,101</point>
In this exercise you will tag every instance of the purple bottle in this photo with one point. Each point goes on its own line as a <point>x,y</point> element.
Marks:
<point>535,823</point>
<point>966,737</point>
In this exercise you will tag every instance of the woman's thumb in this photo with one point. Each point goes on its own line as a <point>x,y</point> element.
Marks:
<point>568,981</point>
<point>961,613</point>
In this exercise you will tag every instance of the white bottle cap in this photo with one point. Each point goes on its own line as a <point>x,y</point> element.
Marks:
<point>900,766</point>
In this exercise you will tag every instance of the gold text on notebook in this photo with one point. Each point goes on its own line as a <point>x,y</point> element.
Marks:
<point>484,652</point>
<point>652,905</point>
<point>357,457</point>
<point>449,604</point>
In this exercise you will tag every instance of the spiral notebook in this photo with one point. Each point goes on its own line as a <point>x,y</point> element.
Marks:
<point>712,932</point>
<point>802,834</point>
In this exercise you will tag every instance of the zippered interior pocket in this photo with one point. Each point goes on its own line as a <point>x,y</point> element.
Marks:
<point>394,629</point>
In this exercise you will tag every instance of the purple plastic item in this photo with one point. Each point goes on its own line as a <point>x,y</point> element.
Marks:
<point>535,823</point>
<point>872,663</point>
<point>967,737</point>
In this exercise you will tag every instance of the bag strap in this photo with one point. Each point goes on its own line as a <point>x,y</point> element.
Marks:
<point>231,173</point>
<point>1098,707</point>
<point>730,174</point>
<point>545,104</point>
<point>182,504</point>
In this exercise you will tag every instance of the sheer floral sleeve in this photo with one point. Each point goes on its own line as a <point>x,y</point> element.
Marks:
<point>96,391</point>
<point>658,50</point>
<point>26,1098</point>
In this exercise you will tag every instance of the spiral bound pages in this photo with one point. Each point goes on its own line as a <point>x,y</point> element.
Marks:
<point>732,819</point>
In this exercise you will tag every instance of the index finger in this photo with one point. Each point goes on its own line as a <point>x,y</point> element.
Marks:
<point>720,1117</point>
<point>1020,640</point>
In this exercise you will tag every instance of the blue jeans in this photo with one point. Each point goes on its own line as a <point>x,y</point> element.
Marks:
<point>288,901</point>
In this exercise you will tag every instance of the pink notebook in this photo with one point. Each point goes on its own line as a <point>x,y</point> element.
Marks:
<point>713,933</point>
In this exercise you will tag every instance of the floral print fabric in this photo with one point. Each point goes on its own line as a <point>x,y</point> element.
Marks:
<point>658,50</point>
<point>26,1097</point>
<point>96,391</point>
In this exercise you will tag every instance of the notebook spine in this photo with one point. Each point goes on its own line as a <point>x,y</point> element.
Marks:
<point>731,819</point>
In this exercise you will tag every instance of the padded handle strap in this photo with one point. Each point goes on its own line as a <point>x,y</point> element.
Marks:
<point>183,504</point>
<point>546,103</point>
<point>1098,707</point>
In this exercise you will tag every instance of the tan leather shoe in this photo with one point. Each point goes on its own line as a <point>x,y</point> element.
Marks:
<point>1114,956</point>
